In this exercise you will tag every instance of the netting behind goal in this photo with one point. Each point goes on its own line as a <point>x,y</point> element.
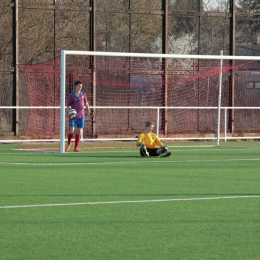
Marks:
<point>179,94</point>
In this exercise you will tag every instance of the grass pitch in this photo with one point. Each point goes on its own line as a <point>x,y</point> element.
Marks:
<point>200,203</point>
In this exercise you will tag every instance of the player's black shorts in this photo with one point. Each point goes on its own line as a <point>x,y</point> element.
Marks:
<point>152,151</point>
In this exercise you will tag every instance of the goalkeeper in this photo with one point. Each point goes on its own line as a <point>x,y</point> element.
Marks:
<point>150,144</point>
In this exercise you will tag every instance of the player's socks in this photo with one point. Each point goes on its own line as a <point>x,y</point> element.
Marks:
<point>77,139</point>
<point>70,135</point>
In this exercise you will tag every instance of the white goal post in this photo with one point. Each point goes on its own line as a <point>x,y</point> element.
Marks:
<point>219,58</point>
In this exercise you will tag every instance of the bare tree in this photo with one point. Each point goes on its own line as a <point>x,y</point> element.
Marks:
<point>248,21</point>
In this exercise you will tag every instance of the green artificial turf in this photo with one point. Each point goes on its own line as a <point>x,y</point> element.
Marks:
<point>200,203</point>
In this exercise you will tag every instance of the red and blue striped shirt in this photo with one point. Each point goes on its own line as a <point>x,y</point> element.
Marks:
<point>78,103</point>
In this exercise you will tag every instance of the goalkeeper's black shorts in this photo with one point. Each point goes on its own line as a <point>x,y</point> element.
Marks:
<point>152,151</point>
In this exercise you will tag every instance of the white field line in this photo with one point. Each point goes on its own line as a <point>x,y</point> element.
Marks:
<point>134,150</point>
<point>145,161</point>
<point>126,201</point>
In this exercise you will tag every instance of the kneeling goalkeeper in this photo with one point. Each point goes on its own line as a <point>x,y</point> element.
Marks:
<point>150,144</point>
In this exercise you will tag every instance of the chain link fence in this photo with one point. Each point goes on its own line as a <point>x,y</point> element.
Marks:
<point>35,31</point>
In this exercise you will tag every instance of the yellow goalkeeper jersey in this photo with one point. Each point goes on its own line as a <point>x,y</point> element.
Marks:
<point>151,140</point>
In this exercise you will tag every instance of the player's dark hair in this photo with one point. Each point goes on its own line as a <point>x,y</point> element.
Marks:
<point>149,123</point>
<point>77,82</point>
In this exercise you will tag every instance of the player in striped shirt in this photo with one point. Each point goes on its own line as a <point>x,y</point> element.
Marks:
<point>77,100</point>
<point>150,144</point>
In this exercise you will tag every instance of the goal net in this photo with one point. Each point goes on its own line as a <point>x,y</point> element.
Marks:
<point>189,97</point>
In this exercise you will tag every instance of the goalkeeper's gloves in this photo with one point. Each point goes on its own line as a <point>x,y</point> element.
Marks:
<point>163,147</point>
<point>142,144</point>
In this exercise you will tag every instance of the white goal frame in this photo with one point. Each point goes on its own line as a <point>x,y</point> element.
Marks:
<point>65,53</point>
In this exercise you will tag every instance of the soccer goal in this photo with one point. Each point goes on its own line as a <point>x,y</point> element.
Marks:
<point>190,97</point>
<point>208,98</point>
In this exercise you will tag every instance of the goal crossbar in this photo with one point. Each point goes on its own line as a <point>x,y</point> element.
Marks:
<point>153,55</point>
